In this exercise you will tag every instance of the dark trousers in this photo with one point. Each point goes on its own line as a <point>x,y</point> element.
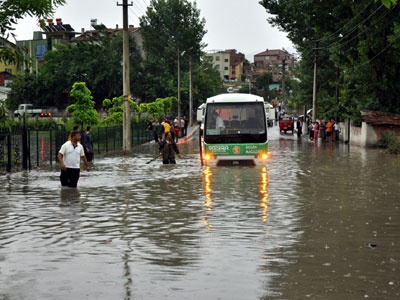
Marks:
<point>169,161</point>
<point>70,177</point>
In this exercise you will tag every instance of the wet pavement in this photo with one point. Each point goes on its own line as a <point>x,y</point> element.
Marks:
<point>318,221</point>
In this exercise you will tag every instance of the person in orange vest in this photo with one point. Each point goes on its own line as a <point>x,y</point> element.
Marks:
<point>329,130</point>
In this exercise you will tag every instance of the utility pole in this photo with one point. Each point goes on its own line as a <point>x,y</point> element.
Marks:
<point>314,112</point>
<point>179,86</point>
<point>190,91</point>
<point>283,79</point>
<point>127,134</point>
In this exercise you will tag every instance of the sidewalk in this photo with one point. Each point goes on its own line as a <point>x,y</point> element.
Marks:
<point>190,132</point>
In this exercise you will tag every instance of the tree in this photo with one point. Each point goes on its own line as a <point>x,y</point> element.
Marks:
<point>96,62</point>
<point>356,44</point>
<point>263,82</point>
<point>388,3</point>
<point>5,121</point>
<point>13,10</point>
<point>172,31</point>
<point>82,110</point>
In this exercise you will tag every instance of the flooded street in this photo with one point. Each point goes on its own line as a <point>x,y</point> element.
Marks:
<point>319,221</point>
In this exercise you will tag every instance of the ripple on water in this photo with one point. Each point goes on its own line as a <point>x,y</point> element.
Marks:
<point>188,231</point>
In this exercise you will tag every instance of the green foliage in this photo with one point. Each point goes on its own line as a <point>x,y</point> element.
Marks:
<point>159,108</point>
<point>82,110</point>
<point>5,121</point>
<point>171,28</point>
<point>388,3</point>
<point>41,123</point>
<point>27,88</point>
<point>96,62</point>
<point>155,109</point>
<point>167,104</point>
<point>390,142</point>
<point>115,110</point>
<point>13,10</point>
<point>356,43</point>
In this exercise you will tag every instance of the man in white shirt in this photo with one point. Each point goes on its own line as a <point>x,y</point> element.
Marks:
<point>69,156</point>
<point>219,123</point>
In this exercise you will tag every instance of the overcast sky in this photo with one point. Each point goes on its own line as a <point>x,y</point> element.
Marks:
<point>230,24</point>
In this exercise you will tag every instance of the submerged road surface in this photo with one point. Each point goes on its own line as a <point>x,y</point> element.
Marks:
<point>318,221</point>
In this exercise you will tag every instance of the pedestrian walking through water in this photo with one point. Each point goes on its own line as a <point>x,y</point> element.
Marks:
<point>69,157</point>
<point>168,148</point>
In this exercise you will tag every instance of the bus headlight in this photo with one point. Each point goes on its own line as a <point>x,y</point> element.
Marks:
<point>207,156</point>
<point>263,155</point>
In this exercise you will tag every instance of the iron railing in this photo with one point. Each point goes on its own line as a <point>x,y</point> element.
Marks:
<point>22,149</point>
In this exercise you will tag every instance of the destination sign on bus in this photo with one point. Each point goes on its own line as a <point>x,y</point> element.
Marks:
<point>234,149</point>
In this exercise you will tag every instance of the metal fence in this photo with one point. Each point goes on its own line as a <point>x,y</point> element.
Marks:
<point>23,149</point>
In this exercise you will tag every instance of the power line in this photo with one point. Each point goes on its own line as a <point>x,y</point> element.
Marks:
<point>343,41</point>
<point>345,25</point>
<point>375,56</point>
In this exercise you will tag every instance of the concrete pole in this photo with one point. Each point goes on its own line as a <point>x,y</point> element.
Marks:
<point>190,91</point>
<point>314,114</point>
<point>179,86</point>
<point>127,134</point>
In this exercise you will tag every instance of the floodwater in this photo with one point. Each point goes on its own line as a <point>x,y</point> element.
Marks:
<point>318,221</point>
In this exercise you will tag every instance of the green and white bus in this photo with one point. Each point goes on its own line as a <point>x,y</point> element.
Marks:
<point>234,130</point>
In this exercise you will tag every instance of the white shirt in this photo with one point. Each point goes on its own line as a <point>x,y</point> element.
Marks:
<point>72,154</point>
<point>220,123</point>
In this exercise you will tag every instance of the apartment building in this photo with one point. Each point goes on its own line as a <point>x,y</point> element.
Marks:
<point>272,61</point>
<point>229,63</point>
<point>7,70</point>
<point>51,35</point>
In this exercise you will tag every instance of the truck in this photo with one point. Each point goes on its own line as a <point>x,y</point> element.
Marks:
<point>270,112</point>
<point>29,110</point>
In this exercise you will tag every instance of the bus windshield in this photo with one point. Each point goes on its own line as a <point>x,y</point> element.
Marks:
<point>235,123</point>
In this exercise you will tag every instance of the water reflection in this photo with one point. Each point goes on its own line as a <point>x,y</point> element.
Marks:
<point>264,193</point>
<point>232,175</point>
<point>207,174</point>
<point>69,196</point>
<point>323,214</point>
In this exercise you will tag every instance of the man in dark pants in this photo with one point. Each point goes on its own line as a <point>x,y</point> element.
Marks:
<point>168,148</point>
<point>299,126</point>
<point>88,146</point>
<point>69,156</point>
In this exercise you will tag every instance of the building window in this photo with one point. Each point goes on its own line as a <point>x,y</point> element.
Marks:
<point>8,70</point>
<point>226,60</point>
<point>226,68</point>
<point>217,58</point>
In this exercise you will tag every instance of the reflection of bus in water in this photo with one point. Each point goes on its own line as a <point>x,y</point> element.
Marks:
<point>234,130</point>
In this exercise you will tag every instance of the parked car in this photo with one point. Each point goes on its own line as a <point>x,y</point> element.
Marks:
<point>286,123</point>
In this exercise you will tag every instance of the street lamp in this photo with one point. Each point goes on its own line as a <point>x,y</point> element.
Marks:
<point>179,83</point>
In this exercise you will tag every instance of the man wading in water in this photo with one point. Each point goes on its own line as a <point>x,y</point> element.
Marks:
<point>69,157</point>
<point>168,148</point>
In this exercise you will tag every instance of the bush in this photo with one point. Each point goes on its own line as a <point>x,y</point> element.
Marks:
<point>390,142</point>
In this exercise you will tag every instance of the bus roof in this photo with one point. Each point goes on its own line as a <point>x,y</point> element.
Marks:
<point>233,97</point>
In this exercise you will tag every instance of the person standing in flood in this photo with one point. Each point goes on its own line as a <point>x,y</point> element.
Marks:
<point>299,126</point>
<point>168,148</point>
<point>69,157</point>
<point>316,131</point>
<point>89,144</point>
